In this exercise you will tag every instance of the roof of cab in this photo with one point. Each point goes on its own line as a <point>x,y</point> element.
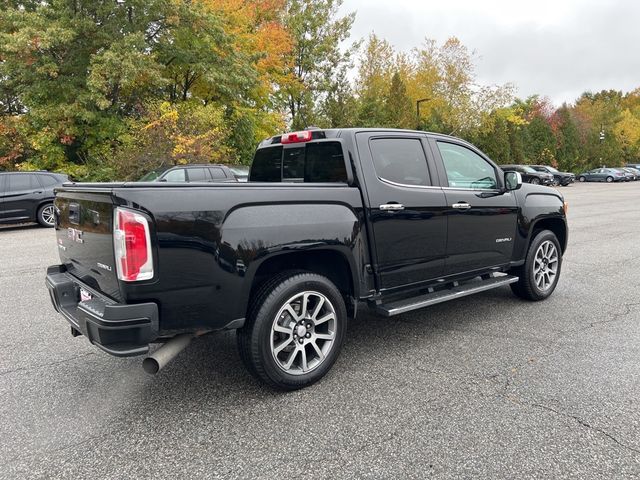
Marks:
<point>337,132</point>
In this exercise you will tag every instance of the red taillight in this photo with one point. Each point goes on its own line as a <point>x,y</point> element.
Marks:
<point>132,244</point>
<point>296,137</point>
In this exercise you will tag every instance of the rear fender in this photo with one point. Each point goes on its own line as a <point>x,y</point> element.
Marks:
<point>257,234</point>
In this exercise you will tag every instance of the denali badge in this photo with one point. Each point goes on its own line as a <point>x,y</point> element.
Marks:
<point>75,235</point>
<point>503,240</point>
<point>103,266</point>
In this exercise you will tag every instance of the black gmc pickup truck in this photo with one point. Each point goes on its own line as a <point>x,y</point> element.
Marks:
<point>331,221</point>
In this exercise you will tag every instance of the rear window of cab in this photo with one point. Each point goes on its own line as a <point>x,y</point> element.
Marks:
<point>312,162</point>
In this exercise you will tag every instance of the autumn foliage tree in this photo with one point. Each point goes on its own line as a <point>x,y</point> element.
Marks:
<point>108,90</point>
<point>86,79</point>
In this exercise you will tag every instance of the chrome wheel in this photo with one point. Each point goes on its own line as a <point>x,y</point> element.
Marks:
<point>545,265</point>
<point>47,215</point>
<point>303,332</point>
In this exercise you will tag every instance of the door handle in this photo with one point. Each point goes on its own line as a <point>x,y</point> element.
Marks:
<point>461,206</point>
<point>38,191</point>
<point>392,207</point>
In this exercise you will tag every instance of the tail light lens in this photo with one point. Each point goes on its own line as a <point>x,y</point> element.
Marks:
<point>132,244</point>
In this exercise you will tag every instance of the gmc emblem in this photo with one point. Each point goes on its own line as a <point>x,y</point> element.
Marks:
<point>75,235</point>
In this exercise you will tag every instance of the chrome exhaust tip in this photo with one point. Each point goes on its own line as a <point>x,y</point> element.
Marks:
<point>167,352</point>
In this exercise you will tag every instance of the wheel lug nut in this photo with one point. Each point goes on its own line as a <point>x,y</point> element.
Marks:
<point>308,325</point>
<point>301,341</point>
<point>308,335</point>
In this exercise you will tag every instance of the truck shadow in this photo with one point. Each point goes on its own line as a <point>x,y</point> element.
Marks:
<point>211,366</point>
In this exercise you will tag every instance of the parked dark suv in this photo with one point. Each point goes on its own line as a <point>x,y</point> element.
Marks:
<point>529,175</point>
<point>28,197</point>
<point>559,178</point>
<point>192,173</point>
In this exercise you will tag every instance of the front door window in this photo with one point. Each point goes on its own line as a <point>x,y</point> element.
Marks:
<point>467,169</point>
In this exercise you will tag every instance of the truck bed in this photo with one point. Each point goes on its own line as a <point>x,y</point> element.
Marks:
<point>208,240</point>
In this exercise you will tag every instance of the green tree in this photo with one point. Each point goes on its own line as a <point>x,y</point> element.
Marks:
<point>627,134</point>
<point>568,140</point>
<point>494,141</point>
<point>339,108</point>
<point>499,135</point>
<point>539,140</point>
<point>83,74</point>
<point>317,33</point>
<point>398,105</point>
<point>373,81</point>
<point>445,75</point>
<point>596,113</point>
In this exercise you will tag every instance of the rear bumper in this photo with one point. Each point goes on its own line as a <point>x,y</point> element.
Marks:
<point>119,329</point>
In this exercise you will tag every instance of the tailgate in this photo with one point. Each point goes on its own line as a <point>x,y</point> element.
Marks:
<point>84,231</point>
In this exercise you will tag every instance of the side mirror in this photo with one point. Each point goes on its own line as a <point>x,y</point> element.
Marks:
<point>512,181</point>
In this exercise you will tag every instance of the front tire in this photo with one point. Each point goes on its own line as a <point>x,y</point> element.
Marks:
<point>46,217</point>
<point>541,270</point>
<point>609,179</point>
<point>294,331</point>
<point>582,179</point>
<point>534,181</point>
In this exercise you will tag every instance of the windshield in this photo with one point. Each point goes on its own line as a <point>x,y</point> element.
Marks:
<point>528,169</point>
<point>554,170</point>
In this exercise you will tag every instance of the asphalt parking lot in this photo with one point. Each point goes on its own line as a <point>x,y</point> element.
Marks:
<point>487,386</point>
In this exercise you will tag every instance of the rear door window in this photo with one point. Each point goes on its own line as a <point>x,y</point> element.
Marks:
<point>400,160</point>
<point>198,175</point>
<point>217,173</point>
<point>22,182</point>
<point>48,180</point>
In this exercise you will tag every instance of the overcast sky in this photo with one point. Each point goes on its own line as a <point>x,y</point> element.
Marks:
<point>555,48</point>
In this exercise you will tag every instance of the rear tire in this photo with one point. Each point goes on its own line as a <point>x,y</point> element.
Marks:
<point>609,179</point>
<point>294,330</point>
<point>541,270</point>
<point>582,179</point>
<point>534,181</point>
<point>46,217</point>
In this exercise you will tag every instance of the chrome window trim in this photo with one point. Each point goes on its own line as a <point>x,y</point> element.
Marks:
<point>396,184</point>
<point>492,190</point>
